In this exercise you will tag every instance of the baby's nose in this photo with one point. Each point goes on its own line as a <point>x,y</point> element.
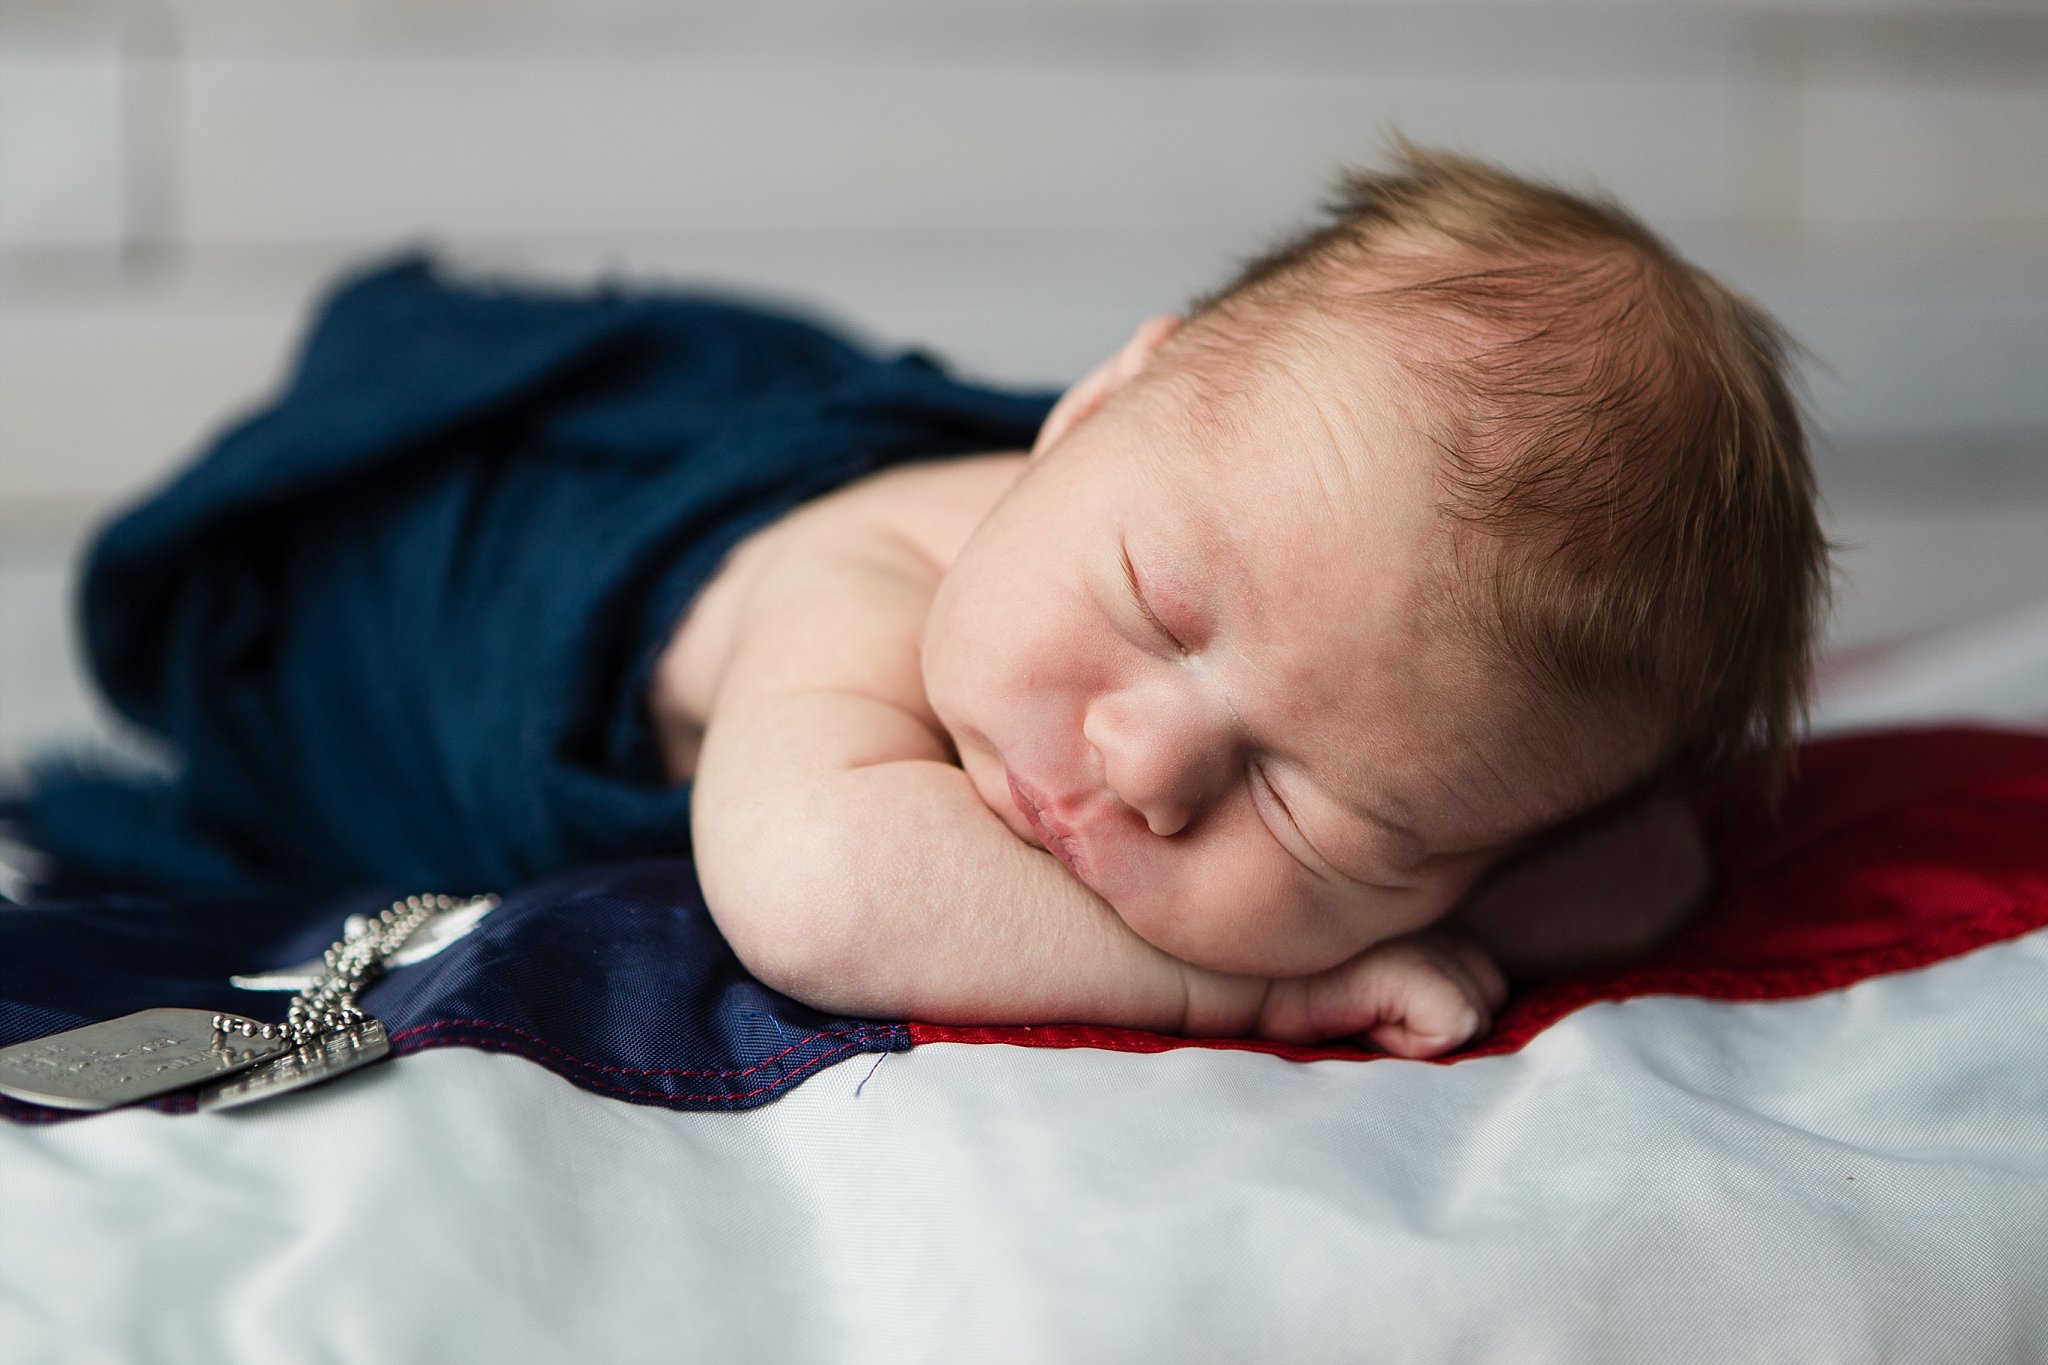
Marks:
<point>1165,763</point>
<point>1167,817</point>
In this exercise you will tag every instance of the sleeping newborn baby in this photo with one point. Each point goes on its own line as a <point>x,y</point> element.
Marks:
<point>1337,654</point>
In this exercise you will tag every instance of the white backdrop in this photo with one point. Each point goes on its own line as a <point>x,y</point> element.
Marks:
<point>1014,184</point>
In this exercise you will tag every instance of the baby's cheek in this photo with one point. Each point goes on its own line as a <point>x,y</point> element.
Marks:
<point>1262,915</point>
<point>1336,923</point>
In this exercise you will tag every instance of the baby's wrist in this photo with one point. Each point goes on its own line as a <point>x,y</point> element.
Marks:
<point>1219,1005</point>
<point>1284,1015</point>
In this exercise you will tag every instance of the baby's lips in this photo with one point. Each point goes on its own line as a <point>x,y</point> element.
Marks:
<point>1025,807</point>
<point>1052,837</point>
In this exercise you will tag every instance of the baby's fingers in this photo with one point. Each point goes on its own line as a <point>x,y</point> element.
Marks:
<point>1472,965</point>
<point>1428,994</point>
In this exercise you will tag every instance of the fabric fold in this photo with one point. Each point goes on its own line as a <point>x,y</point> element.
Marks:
<point>396,628</point>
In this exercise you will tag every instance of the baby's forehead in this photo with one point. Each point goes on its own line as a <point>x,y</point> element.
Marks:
<point>1361,378</point>
<point>1291,465</point>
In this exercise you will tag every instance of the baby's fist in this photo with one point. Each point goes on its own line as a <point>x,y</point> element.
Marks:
<point>1420,995</point>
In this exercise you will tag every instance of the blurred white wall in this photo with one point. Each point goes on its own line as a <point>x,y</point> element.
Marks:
<point>1012,183</point>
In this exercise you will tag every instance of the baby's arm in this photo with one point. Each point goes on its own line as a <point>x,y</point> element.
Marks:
<point>1599,894</point>
<point>853,866</point>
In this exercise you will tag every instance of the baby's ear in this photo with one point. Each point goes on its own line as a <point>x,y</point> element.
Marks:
<point>1078,403</point>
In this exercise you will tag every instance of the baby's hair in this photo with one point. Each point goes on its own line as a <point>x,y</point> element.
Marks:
<point>1626,486</point>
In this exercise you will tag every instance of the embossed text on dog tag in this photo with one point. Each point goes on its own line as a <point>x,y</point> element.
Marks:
<point>323,1058</point>
<point>104,1065</point>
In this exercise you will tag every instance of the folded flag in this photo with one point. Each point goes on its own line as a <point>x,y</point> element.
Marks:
<point>612,976</point>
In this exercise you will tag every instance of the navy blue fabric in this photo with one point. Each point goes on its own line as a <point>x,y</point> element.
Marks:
<point>395,629</point>
<point>613,977</point>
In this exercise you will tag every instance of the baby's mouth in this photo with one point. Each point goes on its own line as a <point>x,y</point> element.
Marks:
<point>1057,839</point>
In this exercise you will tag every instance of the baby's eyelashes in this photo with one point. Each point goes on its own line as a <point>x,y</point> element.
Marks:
<point>1271,808</point>
<point>1389,861</point>
<point>1158,627</point>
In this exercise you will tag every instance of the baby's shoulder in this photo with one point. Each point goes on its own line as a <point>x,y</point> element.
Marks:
<point>847,576</point>
<point>935,505</point>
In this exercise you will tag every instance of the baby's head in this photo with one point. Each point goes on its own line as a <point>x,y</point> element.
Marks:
<point>1462,514</point>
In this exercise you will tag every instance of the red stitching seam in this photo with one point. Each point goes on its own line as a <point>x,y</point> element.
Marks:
<point>20,1111</point>
<point>859,1034</point>
<point>488,1043</point>
<point>17,1111</point>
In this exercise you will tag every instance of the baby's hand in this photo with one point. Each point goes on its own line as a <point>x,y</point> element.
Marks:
<point>1420,995</point>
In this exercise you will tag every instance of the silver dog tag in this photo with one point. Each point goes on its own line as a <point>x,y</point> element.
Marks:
<point>324,1058</point>
<point>151,1052</point>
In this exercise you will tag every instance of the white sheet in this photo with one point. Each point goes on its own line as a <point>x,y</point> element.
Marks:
<point>1861,1176</point>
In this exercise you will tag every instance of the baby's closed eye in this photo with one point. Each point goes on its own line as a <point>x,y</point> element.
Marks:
<point>1146,612</point>
<point>1314,856</point>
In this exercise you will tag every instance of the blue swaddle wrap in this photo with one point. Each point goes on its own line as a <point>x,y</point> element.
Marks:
<point>397,627</point>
